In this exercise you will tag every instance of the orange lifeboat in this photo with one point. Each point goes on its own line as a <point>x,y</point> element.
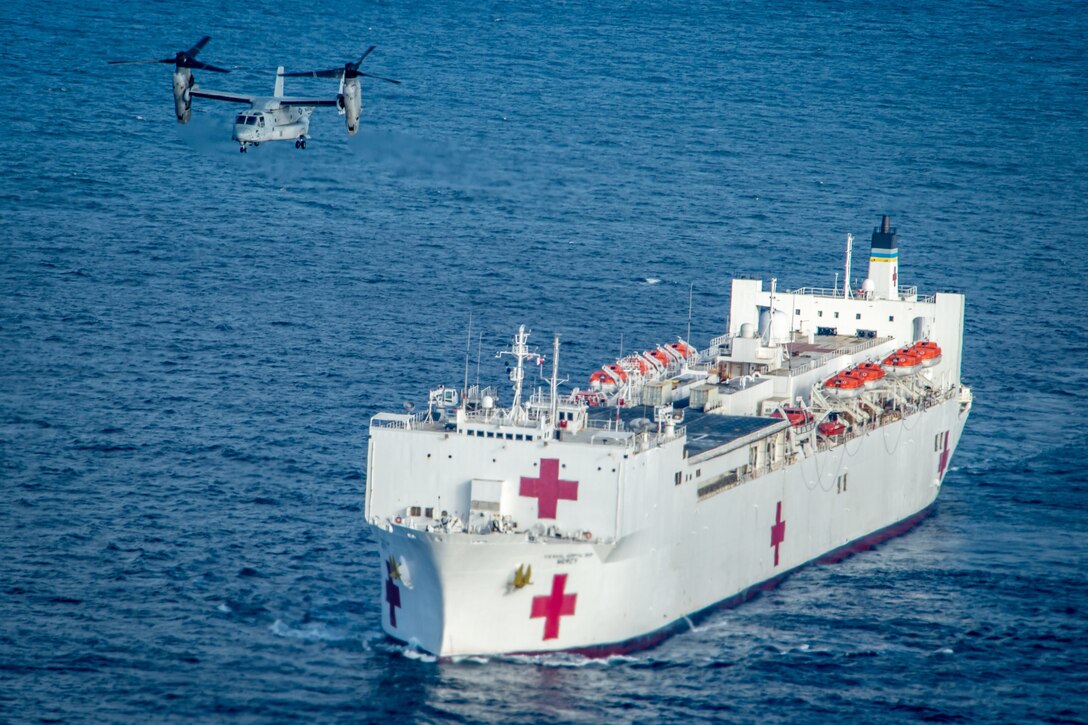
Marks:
<point>796,416</point>
<point>831,428</point>
<point>608,377</point>
<point>902,362</point>
<point>844,385</point>
<point>869,372</point>
<point>682,349</point>
<point>659,356</point>
<point>930,352</point>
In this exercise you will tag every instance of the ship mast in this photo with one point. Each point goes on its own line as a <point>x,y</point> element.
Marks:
<point>555,382</point>
<point>520,351</point>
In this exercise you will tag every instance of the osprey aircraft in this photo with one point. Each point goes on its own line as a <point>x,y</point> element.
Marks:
<point>268,118</point>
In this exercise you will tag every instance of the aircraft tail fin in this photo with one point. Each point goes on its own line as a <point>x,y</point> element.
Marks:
<point>279,82</point>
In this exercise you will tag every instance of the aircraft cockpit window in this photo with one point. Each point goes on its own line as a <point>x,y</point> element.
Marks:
<point>240,119</point>
<point>250,120</point>
<point>260,120</point>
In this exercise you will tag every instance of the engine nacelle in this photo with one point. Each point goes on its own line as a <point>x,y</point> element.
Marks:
<point>350,102</point>
<point>183,98</point>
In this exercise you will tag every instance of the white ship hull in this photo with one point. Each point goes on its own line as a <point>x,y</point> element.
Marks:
<point>556,524</point>
<point>627,595</point>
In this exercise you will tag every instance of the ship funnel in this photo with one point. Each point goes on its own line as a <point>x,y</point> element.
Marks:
<point>884,261</point>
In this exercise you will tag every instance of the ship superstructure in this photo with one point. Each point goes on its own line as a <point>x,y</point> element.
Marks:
<point>597,520</point>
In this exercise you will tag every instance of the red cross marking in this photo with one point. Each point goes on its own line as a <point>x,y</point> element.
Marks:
<point>942,463</point>
<point>778,532</point>
<point>548,488</point>
<point>553,606</point>
<point>392,594</point>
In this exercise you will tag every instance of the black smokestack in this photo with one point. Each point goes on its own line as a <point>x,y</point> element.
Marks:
<point>884,237</point>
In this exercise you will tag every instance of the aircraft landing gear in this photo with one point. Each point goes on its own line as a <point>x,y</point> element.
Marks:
<point>243,149</point>
<point>300,143</point>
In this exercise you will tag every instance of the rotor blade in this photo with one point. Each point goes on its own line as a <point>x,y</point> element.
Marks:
<point>331,73</point>
<point>130,62</point>
<point>204,66</point>
<point>198,47</point>
<point>364,55</point>
<point>381,78</point>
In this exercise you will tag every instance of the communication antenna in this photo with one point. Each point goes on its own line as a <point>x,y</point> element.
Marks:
<point>846,277</point>
<point>479,348</point>
<point>468,351</point>
<point>691,289</point>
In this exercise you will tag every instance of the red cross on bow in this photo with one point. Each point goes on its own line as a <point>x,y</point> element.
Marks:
<point>778,532</point>
<point>553,606</point>
<point>942,463</point>
<point>548,488</point>
<point>392,594</point>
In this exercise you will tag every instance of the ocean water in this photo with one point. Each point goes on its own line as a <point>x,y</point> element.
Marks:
<point>192,340</point>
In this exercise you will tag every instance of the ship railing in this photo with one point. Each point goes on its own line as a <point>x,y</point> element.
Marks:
<point>851,349</point>
<point>818,291</point>
<point>837,292</point>
<point>404,421</point>
<point>714,346</point>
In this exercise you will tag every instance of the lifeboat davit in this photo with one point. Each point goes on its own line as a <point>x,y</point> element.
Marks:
<point>637,363</point>
<point>902,362</point>
<point>930,352</point>
<point>831,428</point>
<point>796,416</point>
<point>845,385</point>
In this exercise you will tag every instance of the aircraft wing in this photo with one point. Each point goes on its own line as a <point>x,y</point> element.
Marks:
<point>297,101</point>
<point>223,96</point>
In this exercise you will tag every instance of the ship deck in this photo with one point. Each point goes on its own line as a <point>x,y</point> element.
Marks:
<point>705,431</point>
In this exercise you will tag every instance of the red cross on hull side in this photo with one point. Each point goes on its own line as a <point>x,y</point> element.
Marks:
<point>778,532</point>
<point>942,463</point>
<point>392,595</point>
<point>553,606</point>
<point>548,489</point>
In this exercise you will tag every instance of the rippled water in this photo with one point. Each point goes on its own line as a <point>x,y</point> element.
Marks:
<point>192,340</point>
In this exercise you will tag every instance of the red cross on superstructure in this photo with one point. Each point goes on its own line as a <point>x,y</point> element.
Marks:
<point>548,489</point>
<point>392,594</point>
<point>942,463</point>
<point>778,532</point>
<point>553,606</point>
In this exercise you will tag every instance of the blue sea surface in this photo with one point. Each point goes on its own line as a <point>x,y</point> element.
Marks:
<point>192,340</point>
